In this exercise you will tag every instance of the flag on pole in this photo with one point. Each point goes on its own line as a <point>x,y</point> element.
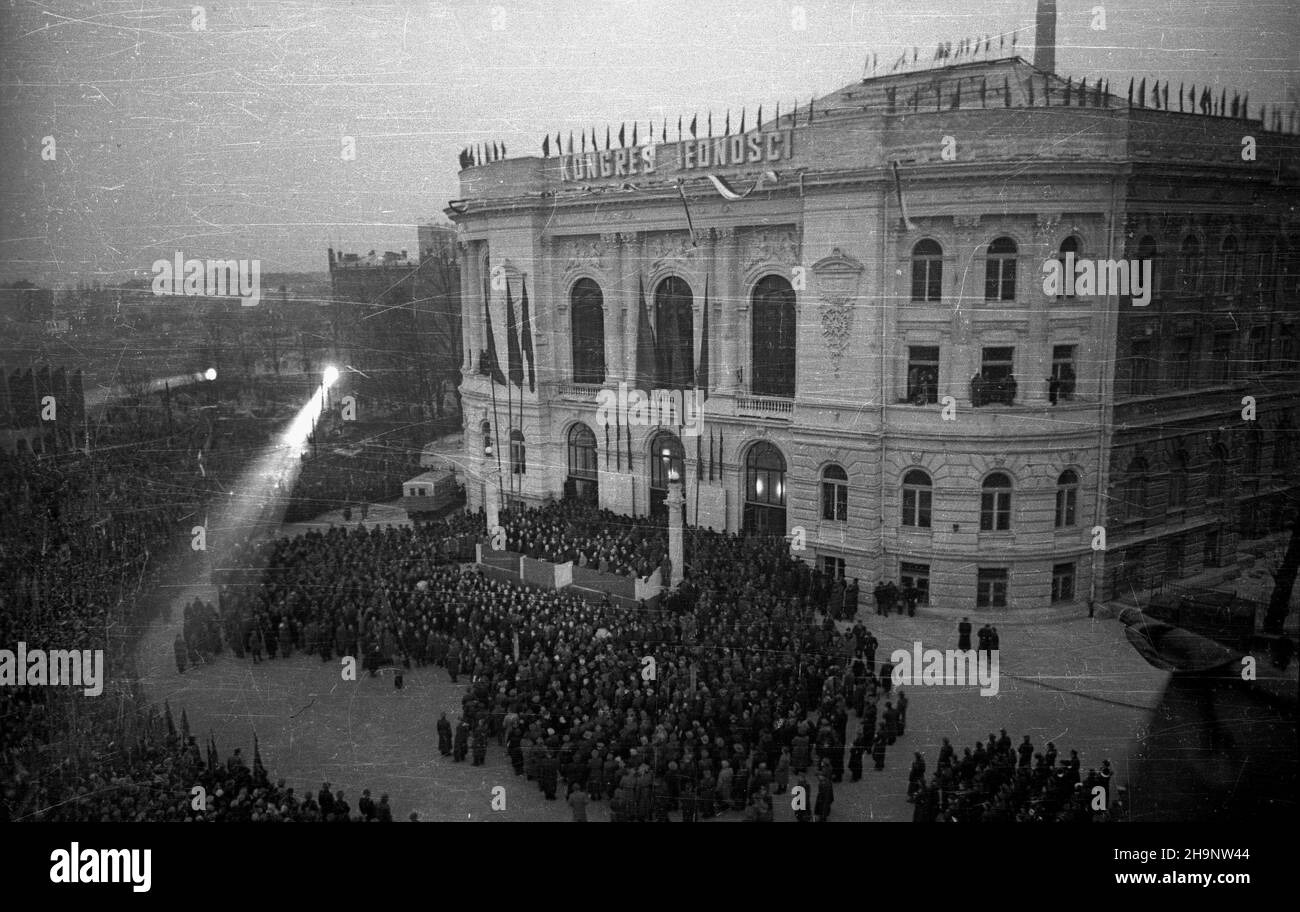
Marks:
<point>493,362</point>
<point>690,225</point>
<point>645,348</point>
<point>702,375</point>
<point>514,360</point>
<point>528,337</point>
<point>902,203</point>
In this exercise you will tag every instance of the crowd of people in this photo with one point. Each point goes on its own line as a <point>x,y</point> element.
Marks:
<point>735,693</point>
<point>569,530</point>
<point>1002,782</point>
<point>331,481</point>
<point>88,539</point>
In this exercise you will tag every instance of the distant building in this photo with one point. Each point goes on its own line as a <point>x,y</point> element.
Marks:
<point>397,322</point>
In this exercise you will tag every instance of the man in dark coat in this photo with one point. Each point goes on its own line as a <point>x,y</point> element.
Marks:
<point>548,774</point>
<point>878,749</point>
<point>479,743</point>
<point>963,634</point>
<point>855,756</point>
<point>444,735</point>
<point>462,741</point>
<point>326,801</point>
<point>366,806</point>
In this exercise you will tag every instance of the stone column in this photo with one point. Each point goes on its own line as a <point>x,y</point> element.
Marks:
<point>467,323</point>
<point>674,502</point>
<point>731,325</point>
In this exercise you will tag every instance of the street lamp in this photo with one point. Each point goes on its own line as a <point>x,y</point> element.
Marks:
<point>674,501</point>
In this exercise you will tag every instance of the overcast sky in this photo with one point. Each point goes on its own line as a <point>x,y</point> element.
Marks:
<point>227,141</point>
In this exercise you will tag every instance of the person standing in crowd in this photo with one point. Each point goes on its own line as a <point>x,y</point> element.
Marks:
<point>444,735</point>
<point>462,741</point>
<point>578,803</point>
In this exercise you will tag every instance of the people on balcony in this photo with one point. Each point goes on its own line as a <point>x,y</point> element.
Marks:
<point>986,390</point>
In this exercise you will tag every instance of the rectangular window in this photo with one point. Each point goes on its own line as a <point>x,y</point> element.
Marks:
<point>1174,558</point>
<point>1140,367</point>
<point>992,588</point>
<point>918,575</point>
<point>1211,555</point>
<point>832,566</point>
<point>1259,349</point>
<point>1063,583</point>
<point>1061,386</point>
<point>996,382</point>
<point>1221,358</point>
<point>923,374</point>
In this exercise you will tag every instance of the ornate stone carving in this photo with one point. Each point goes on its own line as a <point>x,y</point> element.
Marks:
<point>1046,225</point>
<point>668,248</point>
<point>724,234</point>
<point>579,252</point>
<point>966,221</point>
<point>838,277</point>
<point>770,246</point>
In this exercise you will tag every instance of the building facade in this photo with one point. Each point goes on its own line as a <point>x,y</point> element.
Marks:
<point>859,287</point>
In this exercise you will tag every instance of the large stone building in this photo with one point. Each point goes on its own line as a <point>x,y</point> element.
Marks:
<point>863,260</point>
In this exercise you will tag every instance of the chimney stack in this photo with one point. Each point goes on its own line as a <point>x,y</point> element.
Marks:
<point>1045,36</point>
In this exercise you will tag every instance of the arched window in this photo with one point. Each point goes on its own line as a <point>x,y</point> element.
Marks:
<point>666,457</point>
<point>587,316</point>
<point>518,454</point>
<point>1189,266</point>
<point>927,271</point>
<point>1178,481</point>
<point>995,503</point>
<point>674,334</point>
<point>1216,478</point>
<point>1070,245</point>
<point>772,368</point>
<point>764,490</point>
<point>582,462</point>
<point>1067,498</point>
<point>917,494</point>
<point>1135,489</point>
<point>835,494</point>
<point>1000,271</point>
<point>1230,278</point>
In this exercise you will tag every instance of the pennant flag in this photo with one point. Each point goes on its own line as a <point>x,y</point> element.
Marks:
<point>702,375</point>
<point>681,190</point>
<point>1097,95</point>
<point>1083,92</point>
<point>607,146</point>
<point>1223,102</point>
<point>493,362</point>
<point>778,115</point>
<point>570,148</point>
<point>559,146</point>
<point>1165,96</point>
<point>1142,93</point>
<point>679,129</point>
<point>634,142</point>
<point>528,337</point>
<point>514,361</point>
<point>726,129</point>
<point>902,203</point>
<point>810,109</point>
<point>710,125</point>
<point>1130,90</point>
<point>694,117</point>
<point>645,347</point>
<point>742,121</point>
<point>758,119</point>
<point>584,140</point>
<point>546,147</point>
<point>621,141</point>
<point>699,460</point>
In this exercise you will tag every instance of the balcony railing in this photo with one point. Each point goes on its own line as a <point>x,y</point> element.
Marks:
<point>765,407</point>
<point>579,392</point>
